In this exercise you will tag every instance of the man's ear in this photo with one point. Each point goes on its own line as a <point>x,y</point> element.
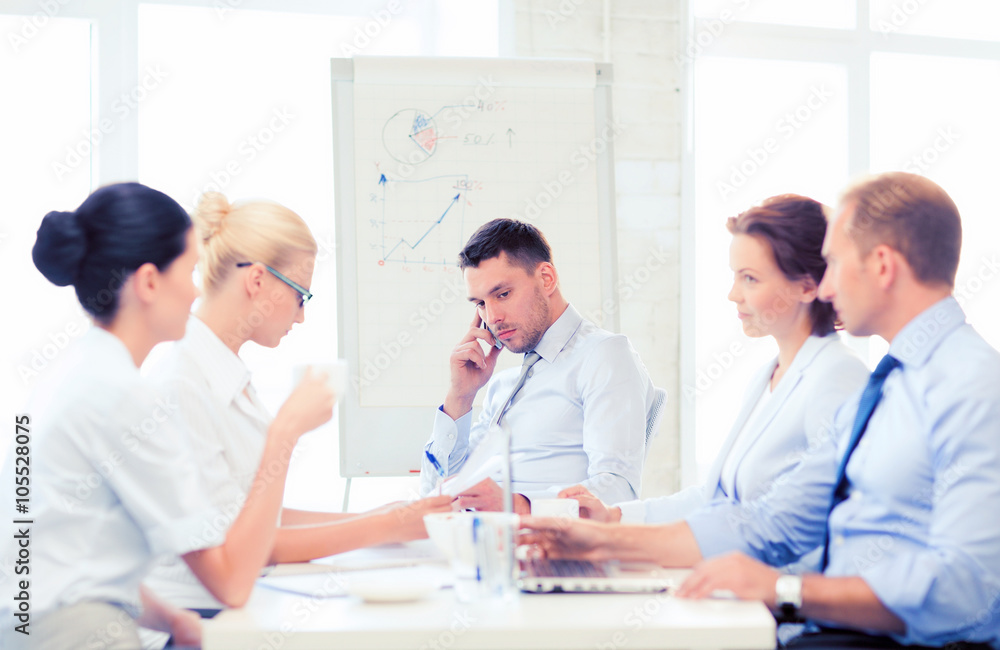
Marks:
<point>548,276</point>
<point>884,263</point>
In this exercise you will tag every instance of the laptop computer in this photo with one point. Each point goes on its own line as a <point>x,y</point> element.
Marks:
<point>581,576</point>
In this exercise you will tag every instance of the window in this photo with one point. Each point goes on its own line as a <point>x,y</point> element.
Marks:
<point>47,165</point>
<point>865,85</point>
<point>216,97</point>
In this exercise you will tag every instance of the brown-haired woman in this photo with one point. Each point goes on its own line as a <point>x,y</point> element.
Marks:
<point>789,405</point>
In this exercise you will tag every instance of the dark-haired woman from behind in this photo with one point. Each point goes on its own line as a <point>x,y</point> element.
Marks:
<point>112,481</point>
<point>789,405</point>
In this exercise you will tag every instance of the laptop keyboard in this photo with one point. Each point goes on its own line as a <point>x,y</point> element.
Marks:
<point>565,569</point>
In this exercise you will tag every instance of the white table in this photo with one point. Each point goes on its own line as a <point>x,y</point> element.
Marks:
<point>283,621</point>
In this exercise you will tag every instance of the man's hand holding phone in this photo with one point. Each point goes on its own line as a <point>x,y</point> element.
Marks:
<point>470,367</point>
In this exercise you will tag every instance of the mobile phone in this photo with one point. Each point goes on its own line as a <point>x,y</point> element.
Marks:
<point>497,343</point>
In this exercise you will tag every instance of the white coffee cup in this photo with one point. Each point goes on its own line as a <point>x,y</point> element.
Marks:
<point>336,374</point>
<point>555,508</point>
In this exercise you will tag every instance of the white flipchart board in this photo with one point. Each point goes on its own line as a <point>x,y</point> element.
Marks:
<point>425,151</point>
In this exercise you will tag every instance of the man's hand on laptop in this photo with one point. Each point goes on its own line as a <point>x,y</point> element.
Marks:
<point>487,495</point>
<point>560,537</point>
<point>734,573</point>
<point>590,506</point>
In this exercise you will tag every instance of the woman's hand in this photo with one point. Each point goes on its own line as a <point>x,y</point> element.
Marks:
<point>590,506</point>
<point>309,406</point>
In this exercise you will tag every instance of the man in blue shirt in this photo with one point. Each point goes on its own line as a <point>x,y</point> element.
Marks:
<point>903,495</point>
<point>576,409</point>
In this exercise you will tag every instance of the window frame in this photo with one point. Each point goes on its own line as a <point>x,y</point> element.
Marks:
<point>852,48</point>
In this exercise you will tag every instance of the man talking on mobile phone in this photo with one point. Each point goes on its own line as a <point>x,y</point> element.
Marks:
<point>576,408</point>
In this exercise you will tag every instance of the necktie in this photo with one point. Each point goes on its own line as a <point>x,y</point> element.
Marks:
<point>869,400</point>
<point>530,359</point>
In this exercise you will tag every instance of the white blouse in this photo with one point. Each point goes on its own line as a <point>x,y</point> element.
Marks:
<point>228,425</point>
<point>112,482</point>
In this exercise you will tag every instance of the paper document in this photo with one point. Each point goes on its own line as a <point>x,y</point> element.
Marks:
<point>333,584</point>
<point>485,461</point>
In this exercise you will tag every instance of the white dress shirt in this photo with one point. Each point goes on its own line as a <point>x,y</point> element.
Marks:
<point>797,417</point>
<point>228,426</point>
<point>112,481</point>
<point>580,417</point>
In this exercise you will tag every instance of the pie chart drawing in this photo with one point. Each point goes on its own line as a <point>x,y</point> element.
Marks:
<point>410,136</point>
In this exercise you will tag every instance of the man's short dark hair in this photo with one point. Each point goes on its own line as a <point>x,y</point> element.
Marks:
<point>524,245</point>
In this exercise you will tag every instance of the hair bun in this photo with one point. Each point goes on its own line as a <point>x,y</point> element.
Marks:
<point>60,247</point>
<point>210,216</point>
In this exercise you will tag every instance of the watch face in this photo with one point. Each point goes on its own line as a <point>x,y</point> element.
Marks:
<point>788,592</point>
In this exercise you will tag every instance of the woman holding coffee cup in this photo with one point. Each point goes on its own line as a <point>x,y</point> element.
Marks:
<point>256,265</point>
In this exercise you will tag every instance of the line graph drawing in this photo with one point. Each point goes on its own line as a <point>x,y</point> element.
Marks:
<point>422,221</point>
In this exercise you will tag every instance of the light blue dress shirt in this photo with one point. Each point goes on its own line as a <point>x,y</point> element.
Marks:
<point>580,417</point>
<point>800,412</point>
<point>920,524</point>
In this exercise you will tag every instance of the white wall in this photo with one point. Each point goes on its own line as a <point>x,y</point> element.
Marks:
<point>639,37</point>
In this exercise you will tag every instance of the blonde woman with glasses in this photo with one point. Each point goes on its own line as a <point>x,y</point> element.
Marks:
<point>257,268</point>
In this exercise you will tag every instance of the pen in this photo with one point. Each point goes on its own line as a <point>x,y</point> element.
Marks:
<point>437,468</point>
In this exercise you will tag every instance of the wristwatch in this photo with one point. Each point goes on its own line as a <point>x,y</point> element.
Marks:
<point>788,592</point>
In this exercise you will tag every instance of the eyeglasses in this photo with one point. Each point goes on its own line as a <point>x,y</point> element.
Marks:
<point>304,294</point>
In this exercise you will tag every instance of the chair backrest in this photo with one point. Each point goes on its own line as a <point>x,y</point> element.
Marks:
<point>655,414</point>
